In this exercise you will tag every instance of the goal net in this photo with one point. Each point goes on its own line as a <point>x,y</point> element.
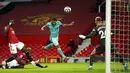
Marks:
<point>120,25</point>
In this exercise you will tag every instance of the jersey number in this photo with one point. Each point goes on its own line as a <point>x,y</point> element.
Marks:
<point>102,34</point>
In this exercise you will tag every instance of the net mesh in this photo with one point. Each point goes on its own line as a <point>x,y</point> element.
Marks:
<point>120,24</point>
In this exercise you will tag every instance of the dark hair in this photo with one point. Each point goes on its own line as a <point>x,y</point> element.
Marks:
<point>54,19</point>
<point>10,21</point>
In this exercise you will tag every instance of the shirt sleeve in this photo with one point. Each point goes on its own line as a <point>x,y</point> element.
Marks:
<point>92,33</point>
<point>47,25</point>
<point>59,23</point>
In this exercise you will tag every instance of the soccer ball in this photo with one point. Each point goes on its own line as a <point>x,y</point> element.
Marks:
<point>67,9</point>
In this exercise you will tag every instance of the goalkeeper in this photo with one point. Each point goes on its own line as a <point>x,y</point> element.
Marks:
<point>99,31</point>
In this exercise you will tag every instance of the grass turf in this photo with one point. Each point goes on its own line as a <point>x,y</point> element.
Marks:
<point>64,68</point>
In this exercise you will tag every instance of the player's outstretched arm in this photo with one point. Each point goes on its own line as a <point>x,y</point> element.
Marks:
<point>85,36</point>
<point>93,32</point>
<point>43,27</point>
<point>68,24</point>
<point>6,30</point>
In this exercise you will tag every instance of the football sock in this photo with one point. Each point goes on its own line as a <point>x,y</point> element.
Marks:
<point>92,59</point>
<point>49,46</point>
<point>0,66</point>
<point>11,58</point>
<point>38,65</point>
<point>61,53</point>
<point>28,56</point>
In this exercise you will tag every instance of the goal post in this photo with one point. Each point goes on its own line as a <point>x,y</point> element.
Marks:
<point>118,20</point>
<point>108,36</point>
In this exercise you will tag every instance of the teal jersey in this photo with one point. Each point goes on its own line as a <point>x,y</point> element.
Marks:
<point>54,30</point>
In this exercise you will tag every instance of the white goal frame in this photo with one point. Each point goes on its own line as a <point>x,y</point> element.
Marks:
<point>108,37</point>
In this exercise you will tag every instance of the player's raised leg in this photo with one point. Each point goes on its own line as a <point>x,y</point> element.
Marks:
<point>62,54</point>
<point>55,42</point>
<point>48,46</point>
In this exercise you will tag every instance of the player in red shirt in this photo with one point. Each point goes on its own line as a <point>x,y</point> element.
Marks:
<point>21,61</point>
<point>14,44</point>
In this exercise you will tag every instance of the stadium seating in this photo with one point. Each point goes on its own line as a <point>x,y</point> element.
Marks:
<point>86,51</point>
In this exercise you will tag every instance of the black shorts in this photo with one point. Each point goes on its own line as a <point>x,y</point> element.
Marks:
<point>101,49</point>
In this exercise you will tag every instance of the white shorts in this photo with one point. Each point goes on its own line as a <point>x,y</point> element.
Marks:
<point>14,47</point>
<point>54,41</point>
<point>13,63</point>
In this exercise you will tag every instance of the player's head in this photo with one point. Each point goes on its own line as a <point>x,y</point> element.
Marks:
<point>28,50</point>
<point>98,20</point>
<point>11,22</point>
<point>53,20</point>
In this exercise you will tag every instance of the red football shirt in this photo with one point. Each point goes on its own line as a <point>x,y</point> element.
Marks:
<point>11,35</point>
<point>22,57</point>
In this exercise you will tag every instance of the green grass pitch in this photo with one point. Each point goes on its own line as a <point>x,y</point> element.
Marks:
<point>64,68</point>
